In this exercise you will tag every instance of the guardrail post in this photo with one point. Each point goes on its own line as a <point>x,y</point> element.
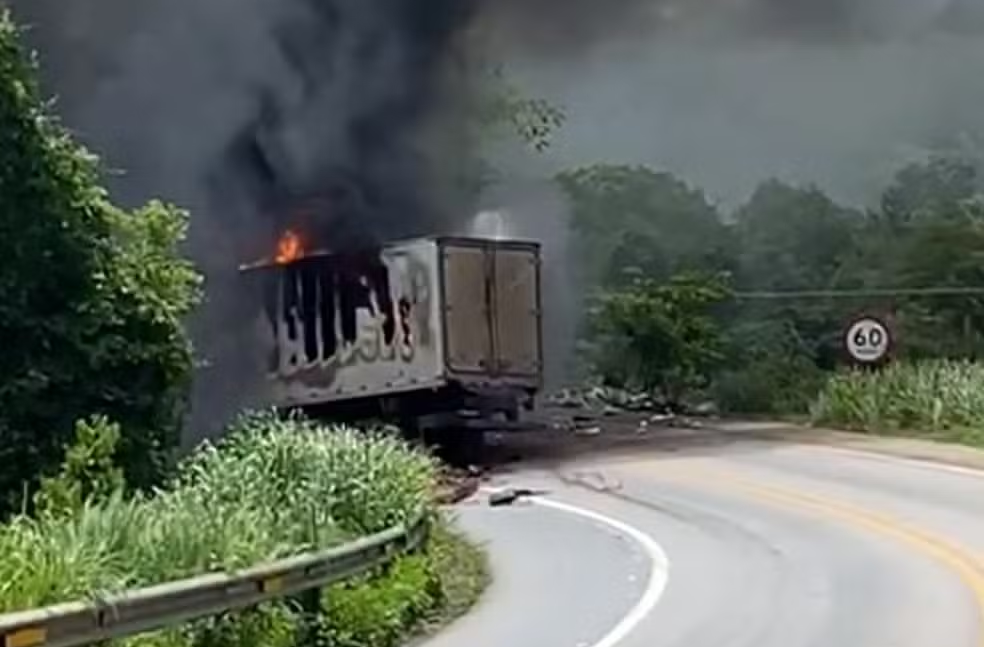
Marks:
<point>308,633</point>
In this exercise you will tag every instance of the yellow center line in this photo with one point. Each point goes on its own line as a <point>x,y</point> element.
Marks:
<point>963,563</point>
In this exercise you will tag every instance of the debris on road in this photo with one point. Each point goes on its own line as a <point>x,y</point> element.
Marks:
<point>456,485</point>
<point>592,480</point>
<point>607,400</point>
<point>588,431</point>
<point>511,496</point>
<point>662,418</point>
<point>598,404</point>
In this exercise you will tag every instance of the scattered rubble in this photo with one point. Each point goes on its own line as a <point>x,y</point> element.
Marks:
<point>608,400</point>
<point>706,409</point>
<point>592,480</point>
<point>588,431</point>
<point>455,485</point>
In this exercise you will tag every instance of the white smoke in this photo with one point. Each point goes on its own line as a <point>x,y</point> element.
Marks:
<point>494,224</point>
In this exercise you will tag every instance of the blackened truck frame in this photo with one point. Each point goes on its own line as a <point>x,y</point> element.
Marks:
<point>469,395</point>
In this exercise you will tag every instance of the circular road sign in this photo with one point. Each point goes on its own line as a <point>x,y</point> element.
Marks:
<point>868,340</point>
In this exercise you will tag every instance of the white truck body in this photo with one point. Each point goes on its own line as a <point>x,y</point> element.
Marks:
<point>418,315</point>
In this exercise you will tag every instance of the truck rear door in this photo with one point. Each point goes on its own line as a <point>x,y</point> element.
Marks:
<point>492,310</point>
<point>516,312</point>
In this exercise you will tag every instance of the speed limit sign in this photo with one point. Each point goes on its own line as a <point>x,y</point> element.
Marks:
<point>868,340</point>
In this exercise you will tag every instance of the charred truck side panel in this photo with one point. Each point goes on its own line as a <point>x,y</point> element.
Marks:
<point>440,333</point>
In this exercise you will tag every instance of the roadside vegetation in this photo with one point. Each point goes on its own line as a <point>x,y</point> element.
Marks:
<point>941,399</point>
<point>94,497</point>
<point>271,489</point>
<point>743,310</point>
<point>94,299</point>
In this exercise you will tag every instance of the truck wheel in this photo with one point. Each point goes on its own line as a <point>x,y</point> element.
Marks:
<point>460,447</point>
<point>471,448</point>
<point>512,414</point>
<point>410,429</point>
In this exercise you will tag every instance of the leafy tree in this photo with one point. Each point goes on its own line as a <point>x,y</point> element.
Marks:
<point>499,113</point>
<point>632,221</point>
<point>661,336</point>
<point>502,106</point>
<point>945,249</point>
<point>924,190</point>
<point>927,234</point>
<point>88,472</point>
<point>792,238</point>
<point>94,297</point>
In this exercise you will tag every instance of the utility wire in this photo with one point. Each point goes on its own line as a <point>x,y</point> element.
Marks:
<point>860,293</point>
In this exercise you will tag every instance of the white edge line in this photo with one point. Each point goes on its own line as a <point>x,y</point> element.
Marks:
<point>658,572</point>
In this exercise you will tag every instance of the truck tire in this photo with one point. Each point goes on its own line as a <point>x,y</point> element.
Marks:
<point>473,447</point>
<point>410,429</point>
<point>460,447</point>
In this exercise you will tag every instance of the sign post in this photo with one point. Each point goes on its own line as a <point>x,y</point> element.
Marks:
<point>868,341</point>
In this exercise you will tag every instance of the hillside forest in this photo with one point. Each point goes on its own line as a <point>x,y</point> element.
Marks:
<point>745,310</point>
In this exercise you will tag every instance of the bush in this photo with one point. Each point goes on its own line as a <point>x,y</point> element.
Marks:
<point>929,396</point>
<point>417,592</point>
<point>770,385</point>
<point>272,489</point>
<point>377,611</point>
<point>660,337</point>
<point>93,299</point>
<point>88,472</point>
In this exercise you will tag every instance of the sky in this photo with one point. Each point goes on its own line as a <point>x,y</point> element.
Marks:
<point>727,93</point>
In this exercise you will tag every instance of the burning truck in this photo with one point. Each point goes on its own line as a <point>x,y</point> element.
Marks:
<point>440,335</point>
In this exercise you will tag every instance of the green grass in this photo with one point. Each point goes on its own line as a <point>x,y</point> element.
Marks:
<point>937,399</point>
<point>273,489</point>
<point>417,595</point>
<point>462,571</point>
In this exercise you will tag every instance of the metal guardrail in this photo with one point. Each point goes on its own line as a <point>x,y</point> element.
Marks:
<point>165,605</point>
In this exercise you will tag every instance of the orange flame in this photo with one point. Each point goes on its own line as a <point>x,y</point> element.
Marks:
<point>289,248</point>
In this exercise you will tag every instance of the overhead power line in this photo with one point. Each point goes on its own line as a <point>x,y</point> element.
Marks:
<point>860,293</point>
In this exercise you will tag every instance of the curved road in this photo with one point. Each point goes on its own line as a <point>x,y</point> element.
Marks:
<point>768,545</point>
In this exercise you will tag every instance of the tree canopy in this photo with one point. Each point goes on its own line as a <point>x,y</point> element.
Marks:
<point>94,297</point>
<point>782,250</point>
<point>633,221</point>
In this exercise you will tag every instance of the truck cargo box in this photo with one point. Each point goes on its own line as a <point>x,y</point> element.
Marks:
<point>417,315</point>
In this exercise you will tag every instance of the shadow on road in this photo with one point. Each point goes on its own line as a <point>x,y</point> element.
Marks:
<point>629,434</point>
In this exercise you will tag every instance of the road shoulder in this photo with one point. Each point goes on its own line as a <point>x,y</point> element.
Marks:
<point>898,447</point>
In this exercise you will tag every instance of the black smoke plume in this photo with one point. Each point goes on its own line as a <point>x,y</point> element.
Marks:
<point>336,117</point>
<point>341,117</point>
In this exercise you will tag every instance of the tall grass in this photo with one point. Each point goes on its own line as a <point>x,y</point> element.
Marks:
<point>273,489</point>
<point>939,397</point>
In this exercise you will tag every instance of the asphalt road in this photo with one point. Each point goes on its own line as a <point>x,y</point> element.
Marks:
<point>759,545</point>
